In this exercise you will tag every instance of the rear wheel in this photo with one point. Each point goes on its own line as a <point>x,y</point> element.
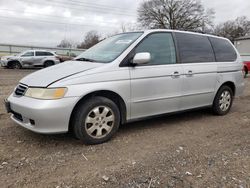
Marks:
<point>223,101</point>
<point>48,63</point>
<point>96,120</point>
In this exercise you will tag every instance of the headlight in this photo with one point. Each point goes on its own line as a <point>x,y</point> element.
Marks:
<point>46,93</point>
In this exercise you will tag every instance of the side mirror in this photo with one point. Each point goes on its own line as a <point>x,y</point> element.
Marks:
<point>141,58</point>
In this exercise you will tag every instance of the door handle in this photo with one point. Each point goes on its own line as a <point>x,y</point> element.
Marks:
<point>190,73</point>
<point>176,74</point>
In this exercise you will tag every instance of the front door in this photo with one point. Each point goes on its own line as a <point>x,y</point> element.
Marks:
<point>27,58</point>
<point>156,86</point>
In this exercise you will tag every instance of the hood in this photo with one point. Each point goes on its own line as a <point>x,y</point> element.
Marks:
<point>7,57</point>
<point>47,76</point>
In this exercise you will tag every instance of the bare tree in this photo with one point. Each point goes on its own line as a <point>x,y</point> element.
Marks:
<point>175,14</point>
<point>129,26</point>
<point>65,44</point>
<point>123,27</point>
<point>234,28</point>
<point>91,38</point>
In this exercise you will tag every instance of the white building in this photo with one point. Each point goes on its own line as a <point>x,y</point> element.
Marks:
<point>243,46</point>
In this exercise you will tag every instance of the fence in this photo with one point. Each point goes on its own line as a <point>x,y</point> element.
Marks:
<point>7,49</point>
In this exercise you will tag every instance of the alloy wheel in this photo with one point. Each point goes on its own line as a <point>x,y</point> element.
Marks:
<point>225,100</point>
<point>99,122</point>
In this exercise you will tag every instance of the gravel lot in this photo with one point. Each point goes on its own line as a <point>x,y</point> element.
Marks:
<point>192,149</point>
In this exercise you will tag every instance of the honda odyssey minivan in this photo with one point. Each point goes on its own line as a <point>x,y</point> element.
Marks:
<point>127,77</point>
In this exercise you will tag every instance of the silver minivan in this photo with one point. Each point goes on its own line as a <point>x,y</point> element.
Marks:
<point>127,77</point>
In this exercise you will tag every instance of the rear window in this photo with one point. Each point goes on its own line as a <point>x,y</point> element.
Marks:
<point>224,51</point>
<point>194,48</point>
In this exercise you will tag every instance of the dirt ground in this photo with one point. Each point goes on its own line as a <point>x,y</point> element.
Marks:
<point>192,149</point>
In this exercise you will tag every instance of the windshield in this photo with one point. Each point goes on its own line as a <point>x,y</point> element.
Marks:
<point>21,53</point>
<point>110,48</point>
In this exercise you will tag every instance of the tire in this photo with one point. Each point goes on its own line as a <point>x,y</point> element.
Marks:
<point>15,65</point>
<point>48,63</point>
<point>96,120</point>
<point>245,72</point>
<point>223,101</point>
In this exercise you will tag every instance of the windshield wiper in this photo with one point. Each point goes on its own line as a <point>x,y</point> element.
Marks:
<point>84,59</point>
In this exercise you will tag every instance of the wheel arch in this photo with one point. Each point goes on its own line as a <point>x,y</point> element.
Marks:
<point>13,61</point>
<point>116,98</point>
<point>229,84</point>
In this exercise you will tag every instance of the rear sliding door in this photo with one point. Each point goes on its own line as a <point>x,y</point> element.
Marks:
<point>200,70</point>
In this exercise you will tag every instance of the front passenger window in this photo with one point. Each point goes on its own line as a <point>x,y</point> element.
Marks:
<point>28,54</point>
<point>161,48</point>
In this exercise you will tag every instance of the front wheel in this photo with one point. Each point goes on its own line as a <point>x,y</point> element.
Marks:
<point>15,65</point>
<point>223,101</point>
<point>96,120</point>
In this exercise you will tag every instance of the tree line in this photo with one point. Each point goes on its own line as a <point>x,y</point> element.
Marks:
<point>186,15</point>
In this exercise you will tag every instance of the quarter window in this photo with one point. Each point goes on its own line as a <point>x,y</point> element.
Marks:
<point>194,48</point>
<point>224,51</point>
<point>48,54</point>
<point>161,48</point>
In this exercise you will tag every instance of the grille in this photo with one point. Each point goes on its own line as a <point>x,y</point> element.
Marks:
<point>20,90</point>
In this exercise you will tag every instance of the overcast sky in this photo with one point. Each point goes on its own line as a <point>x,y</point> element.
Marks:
<point>47,22</point>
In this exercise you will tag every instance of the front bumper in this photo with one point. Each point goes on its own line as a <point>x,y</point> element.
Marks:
<point>4,63</point>
<point>42,116</point>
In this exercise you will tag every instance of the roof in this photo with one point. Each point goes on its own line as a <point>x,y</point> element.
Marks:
<point>148,31</point>
<point>42,50</point>
<point>180,31</point>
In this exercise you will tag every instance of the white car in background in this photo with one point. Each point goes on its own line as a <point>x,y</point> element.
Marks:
<point>30,58</point>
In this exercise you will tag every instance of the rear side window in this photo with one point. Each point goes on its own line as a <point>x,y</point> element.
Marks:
<point>224,51</point>
<point>41,53</point>
<point>48,54</point>
<point>194,48</point>
<point>161,48</point>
